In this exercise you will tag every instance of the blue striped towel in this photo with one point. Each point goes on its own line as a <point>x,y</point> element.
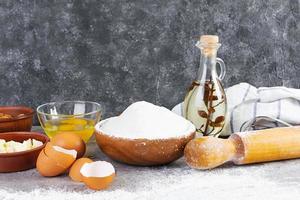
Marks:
<point>251,108</point>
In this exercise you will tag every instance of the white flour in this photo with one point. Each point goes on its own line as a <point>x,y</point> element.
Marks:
<point>147,121</point>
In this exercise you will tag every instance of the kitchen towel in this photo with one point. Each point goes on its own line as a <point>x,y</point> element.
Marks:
<point>251,108</point>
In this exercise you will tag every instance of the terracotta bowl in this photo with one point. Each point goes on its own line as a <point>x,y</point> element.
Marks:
<point>23,160</point>
<point>142,152</point>
<point>18,122</point>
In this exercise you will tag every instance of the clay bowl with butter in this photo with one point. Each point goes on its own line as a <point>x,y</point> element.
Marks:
<point>142,152</point>
<point>23,160</point>
<point>15,118</point>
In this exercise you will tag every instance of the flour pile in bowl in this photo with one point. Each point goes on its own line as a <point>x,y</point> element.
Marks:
<point>143,120</point>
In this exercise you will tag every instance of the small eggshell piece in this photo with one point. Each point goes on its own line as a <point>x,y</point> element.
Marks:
<point>97,175</point>
<point>74,173</point>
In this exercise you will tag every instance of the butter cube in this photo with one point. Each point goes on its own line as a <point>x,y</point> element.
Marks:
<point>2,146</point>
<point>36,143</point>
<point>20,147</point>
<point>27,144</point>
<point>10,146</point>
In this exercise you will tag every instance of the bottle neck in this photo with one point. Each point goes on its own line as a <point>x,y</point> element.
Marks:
<point>207,68</point>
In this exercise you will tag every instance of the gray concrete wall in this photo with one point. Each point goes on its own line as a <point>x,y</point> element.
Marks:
<point>116,52</point>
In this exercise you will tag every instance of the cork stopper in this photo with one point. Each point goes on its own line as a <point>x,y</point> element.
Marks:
<point>209,39</point>
<point>208,44</point>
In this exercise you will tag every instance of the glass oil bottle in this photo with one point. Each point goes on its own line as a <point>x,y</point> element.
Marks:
<point>205,103</point>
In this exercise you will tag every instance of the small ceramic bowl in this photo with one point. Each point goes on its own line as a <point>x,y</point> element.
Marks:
<point>21,118</point>
<point>142,152</point>
<point>23,160</point>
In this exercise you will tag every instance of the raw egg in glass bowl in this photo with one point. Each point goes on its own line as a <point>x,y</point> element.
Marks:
<point>77,117</point>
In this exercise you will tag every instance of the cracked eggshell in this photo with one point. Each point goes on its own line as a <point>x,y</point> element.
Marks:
<point>98,175</point>
<point>70,141</point>
<point>47,166</point>
<point>74,173</point>
<point>63,157</point>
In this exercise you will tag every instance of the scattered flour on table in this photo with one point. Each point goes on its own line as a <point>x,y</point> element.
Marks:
<point>275,180</point>
<point>175,182</point>
<point>143,120</point>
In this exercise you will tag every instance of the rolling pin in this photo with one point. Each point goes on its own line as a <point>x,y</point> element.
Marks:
<point>244,148</point>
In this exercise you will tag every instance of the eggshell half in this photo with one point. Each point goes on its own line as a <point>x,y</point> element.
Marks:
<point>74,173</point>
<point>47,166</point>
<point>97,175</point>
<point>70,141</point>
<point>63,157</point>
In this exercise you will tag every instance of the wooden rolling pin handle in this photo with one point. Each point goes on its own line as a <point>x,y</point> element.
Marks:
<point>209,152</point>
<point>243,148</point>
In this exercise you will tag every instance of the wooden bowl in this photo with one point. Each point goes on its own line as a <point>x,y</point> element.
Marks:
<point>18,122</point>
<point>142,152</point>
<point>23,160</point>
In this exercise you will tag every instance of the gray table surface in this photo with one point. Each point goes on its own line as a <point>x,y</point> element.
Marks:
<point>276,180</point>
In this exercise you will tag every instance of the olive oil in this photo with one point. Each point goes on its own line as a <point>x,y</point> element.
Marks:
<point>207,112</point>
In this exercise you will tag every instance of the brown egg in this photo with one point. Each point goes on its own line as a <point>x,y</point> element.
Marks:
<point>63,157</point>
<point>70,141</point>
<point>74,173</point>
<point>47,166</point>
<point>97,175</point>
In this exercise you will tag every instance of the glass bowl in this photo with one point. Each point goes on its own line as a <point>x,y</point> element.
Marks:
<point>77,117</point>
